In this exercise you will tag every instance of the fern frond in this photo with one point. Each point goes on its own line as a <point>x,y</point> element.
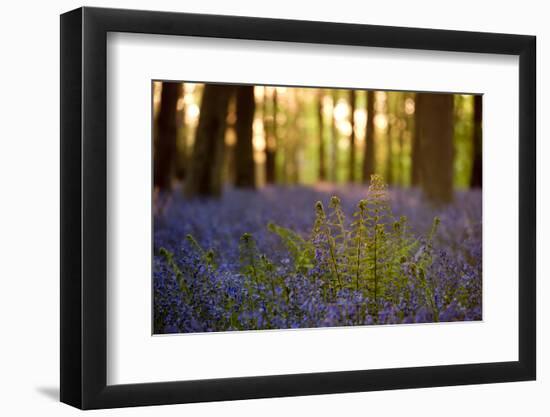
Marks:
<point>302,251</point>
<point>248,255</point>
<point>180,278</point>
<point>207,256</point>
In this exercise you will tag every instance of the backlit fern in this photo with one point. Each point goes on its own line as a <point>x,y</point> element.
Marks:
<point>372,254</point>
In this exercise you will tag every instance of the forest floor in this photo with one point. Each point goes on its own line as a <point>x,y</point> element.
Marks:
<point>450,291</point>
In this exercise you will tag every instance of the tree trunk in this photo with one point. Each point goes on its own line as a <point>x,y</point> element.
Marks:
<point>320,119</point>
<point>334,153</point>
<point>415,152</point>
<point>352,137</point>
<point>205,171</point>
<point>181,145</point>
<point>271,145</point>
<point>369,155</point>
<point>403,127</point>
<point>292,135</point>
<point>402,124</point>
<point>400,175</point>
<point>166,135</point>
<point>477,172</point>
<point>389,154</point>
<point>244,151</point>
<point>436,132</point>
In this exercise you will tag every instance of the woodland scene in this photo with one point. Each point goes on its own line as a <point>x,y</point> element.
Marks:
<point>279,207</point>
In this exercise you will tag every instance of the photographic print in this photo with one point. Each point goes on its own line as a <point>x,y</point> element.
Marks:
<point>282,207</point>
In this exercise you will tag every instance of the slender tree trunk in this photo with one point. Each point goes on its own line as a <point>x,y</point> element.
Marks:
<point>437,149</point>
<point>334,153</point>
<point>352,137</point>
<point>400,177</point>
<point>416,143</point>
<point>181,145</point>
<point>244,151</point>
<point>267,136</point>
<point>205,170</point>
<point>271,145</point>
<point>393,117</point>
<point>401,121</point>
<point>320,119</point>
<point>292,133</point>
<point>389,154</point>
<point>230,138</point>
<point>477,172</point>
<point>283,155</point>
<point>166,135</point>
<point>369,153</point>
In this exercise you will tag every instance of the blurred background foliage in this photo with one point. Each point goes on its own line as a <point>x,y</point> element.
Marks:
<point>210,136</point>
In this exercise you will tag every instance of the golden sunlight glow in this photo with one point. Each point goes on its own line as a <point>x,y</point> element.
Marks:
<point>258,127</point>
<point>281,90</point>
<point>259,143</point>
<point>259,93</point>
<point>360,117</point>
<point>359,127</point>
<point>188,98</point>
<point>409,106</point>
<point>327,105</point>
<point>258,139</point>
<point>380,121</point>
<point>157,90</point>
<point>344,126</point>
<point>342,110</point>
<point>360,133</point>
<point>189,88</point>
<point>230,137</point>
<point>192,114</point>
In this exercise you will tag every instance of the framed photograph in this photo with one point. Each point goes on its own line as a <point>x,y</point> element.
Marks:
<point>257,208</point>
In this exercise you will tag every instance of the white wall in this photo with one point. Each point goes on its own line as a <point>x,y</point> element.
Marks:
<point>29,226</point>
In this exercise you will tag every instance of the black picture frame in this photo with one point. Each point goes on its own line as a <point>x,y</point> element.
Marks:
<point>84,207</point>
